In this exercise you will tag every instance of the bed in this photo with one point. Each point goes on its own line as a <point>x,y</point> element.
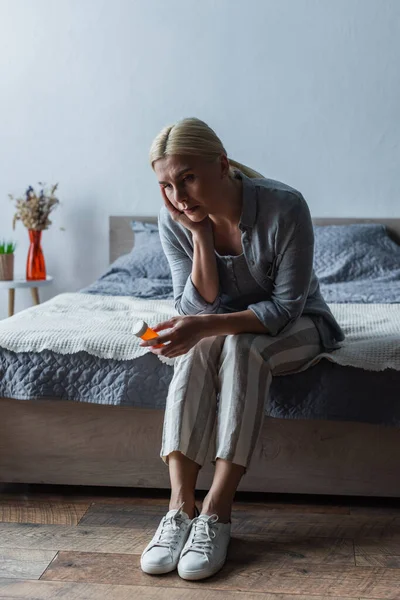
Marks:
<point>333,429</point>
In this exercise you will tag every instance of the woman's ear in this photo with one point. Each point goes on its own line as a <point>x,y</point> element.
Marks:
<point>225,166</point>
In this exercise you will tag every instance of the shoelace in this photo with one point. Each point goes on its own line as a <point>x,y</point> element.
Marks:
<point>170,526</point>
<point>203,535</point>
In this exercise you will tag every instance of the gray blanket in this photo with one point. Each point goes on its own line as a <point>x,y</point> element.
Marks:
<point>325,391</point>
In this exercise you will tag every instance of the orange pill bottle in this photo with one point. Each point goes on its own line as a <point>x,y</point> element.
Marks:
<point>142,330</point>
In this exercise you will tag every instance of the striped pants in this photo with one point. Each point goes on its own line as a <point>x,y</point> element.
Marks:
<point>220,388</point>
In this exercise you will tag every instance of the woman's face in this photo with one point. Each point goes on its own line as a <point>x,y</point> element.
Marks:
<point>190,181</point>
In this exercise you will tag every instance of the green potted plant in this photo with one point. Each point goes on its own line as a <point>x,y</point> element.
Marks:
<point>7,260</point>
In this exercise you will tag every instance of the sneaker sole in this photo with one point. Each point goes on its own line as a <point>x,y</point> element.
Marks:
<point>157,569</point>
<point>193,575</point>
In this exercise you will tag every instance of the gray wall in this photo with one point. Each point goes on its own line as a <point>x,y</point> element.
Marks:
<point>305,91</point>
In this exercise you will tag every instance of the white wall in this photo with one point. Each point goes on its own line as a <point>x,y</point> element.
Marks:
<point>305,91</point>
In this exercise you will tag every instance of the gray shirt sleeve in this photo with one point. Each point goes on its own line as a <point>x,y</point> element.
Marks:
<point>293,275</point>
<point>187,299</point>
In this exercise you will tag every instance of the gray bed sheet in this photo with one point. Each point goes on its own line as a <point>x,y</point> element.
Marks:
<point>324,391</point>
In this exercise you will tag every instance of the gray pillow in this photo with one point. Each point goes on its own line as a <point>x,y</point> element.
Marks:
<point>145,233</point>
<point>143,272</point>
<point>148,254</point>
<point>360,251</point>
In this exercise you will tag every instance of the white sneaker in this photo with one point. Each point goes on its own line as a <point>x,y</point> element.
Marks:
<point>206,547</point>
<point>161,555</point>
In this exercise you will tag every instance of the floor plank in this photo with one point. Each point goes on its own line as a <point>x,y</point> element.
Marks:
<point>293,508</point>
<point>54,590</point>
<point>86,539</point>
<point>314,525</point>
<point>32,510</point>
<point>375,511</point>
<point>390,561</point>
<point>364,548</point>
<point>24,564</point>
<point>119,515</point>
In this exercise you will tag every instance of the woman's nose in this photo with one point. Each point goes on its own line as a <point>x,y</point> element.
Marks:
<point>180,196</point>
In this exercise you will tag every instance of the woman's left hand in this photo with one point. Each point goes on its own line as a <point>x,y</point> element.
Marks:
<point>185,332</point>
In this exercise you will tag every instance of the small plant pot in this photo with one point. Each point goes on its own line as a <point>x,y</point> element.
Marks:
<point>6,267</point>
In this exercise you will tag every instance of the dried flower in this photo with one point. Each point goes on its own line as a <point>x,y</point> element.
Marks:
<point>34,210</point>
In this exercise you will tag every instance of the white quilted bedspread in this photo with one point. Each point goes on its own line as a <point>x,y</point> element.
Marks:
<point>101,325</point>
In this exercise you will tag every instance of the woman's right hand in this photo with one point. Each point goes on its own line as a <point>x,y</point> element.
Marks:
<point>193,226</point>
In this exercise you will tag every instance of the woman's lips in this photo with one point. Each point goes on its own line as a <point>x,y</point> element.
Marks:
<point>191,210</point>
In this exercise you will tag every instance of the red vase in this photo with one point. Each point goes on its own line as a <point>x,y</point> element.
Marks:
<point>35,265</point>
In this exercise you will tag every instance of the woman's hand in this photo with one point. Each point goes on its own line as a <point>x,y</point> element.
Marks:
<point>185,332</point>
<point>193,226</point>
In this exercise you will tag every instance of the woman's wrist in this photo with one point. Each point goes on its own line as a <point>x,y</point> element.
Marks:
<point>244,321</point>
<point>212,324</point>
<point>203,235</point>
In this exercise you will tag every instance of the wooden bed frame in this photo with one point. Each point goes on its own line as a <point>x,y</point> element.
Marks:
<point>77,443</point>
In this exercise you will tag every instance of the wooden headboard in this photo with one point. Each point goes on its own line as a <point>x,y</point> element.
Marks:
<point>122,236</point>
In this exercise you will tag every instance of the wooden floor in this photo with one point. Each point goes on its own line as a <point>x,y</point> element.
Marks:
<point>85,543</point>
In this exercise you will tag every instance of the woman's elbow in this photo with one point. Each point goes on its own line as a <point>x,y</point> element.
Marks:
<point>178,307</point>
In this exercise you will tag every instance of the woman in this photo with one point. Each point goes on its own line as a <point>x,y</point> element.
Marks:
<point>240,249</point>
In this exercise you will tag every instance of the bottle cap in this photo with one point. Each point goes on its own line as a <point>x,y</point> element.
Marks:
<point>139,327</point>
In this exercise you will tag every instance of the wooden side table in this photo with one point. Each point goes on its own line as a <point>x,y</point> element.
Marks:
<point>23,283</point>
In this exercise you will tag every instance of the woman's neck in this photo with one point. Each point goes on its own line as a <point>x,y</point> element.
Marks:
<point>230,210</point>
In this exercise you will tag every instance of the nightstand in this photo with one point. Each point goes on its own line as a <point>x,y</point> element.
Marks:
<point>11,286</point>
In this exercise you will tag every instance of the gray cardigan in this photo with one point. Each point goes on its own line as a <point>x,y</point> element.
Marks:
<point>278,245</point>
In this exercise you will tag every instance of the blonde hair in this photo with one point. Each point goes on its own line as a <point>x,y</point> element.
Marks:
<point>193,136</point>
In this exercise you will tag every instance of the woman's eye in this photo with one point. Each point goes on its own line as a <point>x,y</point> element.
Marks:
<point>186,178</point>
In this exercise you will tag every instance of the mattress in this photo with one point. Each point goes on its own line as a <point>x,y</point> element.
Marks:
<point>324,391</point>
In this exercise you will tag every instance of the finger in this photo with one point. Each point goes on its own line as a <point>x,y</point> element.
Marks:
<point>158,351</point>
<point>165,198</point>
<point>173,352</point>
<point>168,353</point>
<point>165,351</point>
<point>163,325</point>
<point>174,211</point>
<point>160,339</point>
